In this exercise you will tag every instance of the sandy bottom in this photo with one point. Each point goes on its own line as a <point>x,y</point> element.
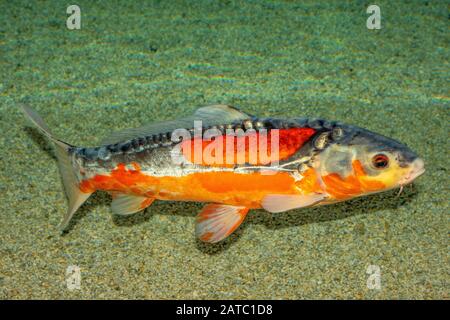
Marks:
<point>132,64</point>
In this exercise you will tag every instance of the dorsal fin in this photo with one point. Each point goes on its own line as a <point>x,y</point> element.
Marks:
<point>209,115</point>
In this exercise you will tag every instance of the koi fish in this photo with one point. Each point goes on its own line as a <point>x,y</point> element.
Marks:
<point>317,162</point>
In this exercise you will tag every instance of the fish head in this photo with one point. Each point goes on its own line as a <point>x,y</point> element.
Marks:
<point>354,162</point>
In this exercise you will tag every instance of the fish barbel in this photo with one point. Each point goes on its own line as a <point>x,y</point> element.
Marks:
<point>310,162</point>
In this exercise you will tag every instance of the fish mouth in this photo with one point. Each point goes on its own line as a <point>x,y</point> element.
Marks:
<point>417,169</point>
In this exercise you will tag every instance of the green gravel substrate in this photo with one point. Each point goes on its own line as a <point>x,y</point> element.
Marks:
<point>134,63</point>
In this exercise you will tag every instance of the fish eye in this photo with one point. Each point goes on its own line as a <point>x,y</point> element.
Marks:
<point>380,161</point>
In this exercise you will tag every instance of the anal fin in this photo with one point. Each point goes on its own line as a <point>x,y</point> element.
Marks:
<point>217,221</point>
<point>126,204</point>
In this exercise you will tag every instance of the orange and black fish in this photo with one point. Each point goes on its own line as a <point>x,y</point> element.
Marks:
<point>317,162</point>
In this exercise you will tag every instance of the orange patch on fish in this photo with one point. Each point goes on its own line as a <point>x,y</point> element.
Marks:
<point>352,185</point>
<point>205,237</point>
<point>146,203</point>
<point>289,142</point>
<point>251,182</point>
<point>309,183</point>
<point>120,179</point>
<point>245,189</point>
<point>136,166</point>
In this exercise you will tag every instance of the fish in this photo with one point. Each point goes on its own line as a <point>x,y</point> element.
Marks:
<point>277,165</point>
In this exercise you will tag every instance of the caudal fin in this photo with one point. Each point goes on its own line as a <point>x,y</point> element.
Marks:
<point>70,182</point>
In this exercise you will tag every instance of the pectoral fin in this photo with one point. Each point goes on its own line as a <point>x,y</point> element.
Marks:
<point>283,202</point>
<point>125,204</point>
<point>216,221</point>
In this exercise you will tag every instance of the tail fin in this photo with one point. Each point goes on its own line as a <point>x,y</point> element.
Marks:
<point>75,196</point>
